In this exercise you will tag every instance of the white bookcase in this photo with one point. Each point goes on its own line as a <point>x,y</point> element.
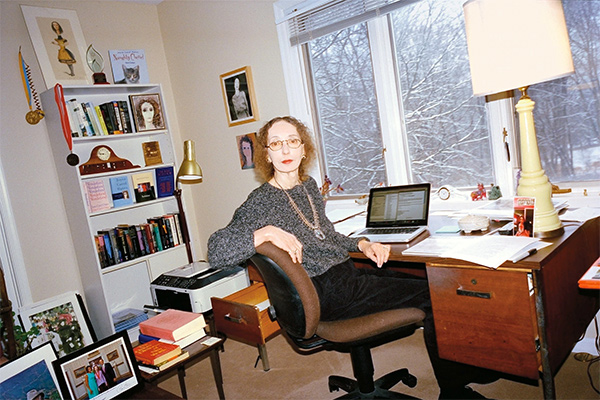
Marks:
<point>126,284</point>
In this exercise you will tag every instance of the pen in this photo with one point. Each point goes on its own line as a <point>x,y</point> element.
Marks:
<point>525,255</point>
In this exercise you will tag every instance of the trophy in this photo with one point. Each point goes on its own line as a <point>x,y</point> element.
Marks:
<point>96,64</point>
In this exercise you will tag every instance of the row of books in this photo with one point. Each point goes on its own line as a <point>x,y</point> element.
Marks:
<point>124,189</point>
<point>109,118</point>
<point>127,242</point>
<point>164,337</point>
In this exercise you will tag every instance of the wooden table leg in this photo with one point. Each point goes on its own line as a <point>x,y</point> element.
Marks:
<point>215,360</point>
<point>181,375</point>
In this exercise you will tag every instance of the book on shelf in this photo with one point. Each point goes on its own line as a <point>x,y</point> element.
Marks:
<point>107,247</point>
<point>143,186</point>
<point>151,369</point>
<point>165,181</point>
<point>74,109</point>
<point>152,154</point>
<point>488,250</point>
<point>96,195</point>
<point>591,278</point>
<point>89,118</point>
<point>173,324</point>
<point>125,116</point>
<point>121,191</point>
<point>101,121</point>
<point>176,218</point>
<point>155,352</point>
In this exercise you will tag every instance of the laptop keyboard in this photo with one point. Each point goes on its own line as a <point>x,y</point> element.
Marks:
<point>385,231</point>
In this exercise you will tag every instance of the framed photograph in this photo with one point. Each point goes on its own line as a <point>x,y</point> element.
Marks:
<point>129,66</point>
<point>147,112</point>
<point>30,376</point>
<point>62,320</point>
<point>245,145</point>
<point>238,94</point>
<point>121,373</point>
<point>59,45</point>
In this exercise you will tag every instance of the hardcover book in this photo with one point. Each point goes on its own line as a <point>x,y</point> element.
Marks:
<point>155,352</point>
<point>121,190</point>
<point>165,181</point>
<point>129,66</point>
<point>173,324</point>
<point>96,195</point>
<point>143,185</point>
<point>165,364</point>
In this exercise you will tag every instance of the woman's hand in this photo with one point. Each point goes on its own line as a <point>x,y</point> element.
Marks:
<point>375,251</point>
<point>280,238</point>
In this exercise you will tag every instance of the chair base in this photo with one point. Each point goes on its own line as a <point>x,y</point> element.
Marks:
<point>381,386</point>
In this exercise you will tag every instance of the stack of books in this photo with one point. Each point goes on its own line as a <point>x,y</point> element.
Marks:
<point>175,327</point>
<point>156,356</point>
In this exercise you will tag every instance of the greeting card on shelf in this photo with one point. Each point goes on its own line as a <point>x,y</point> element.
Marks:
<point>121,191</point>
<point>96,196</point>
<point>152,154</point>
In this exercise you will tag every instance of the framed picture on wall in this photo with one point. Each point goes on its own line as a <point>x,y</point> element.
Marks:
<point>62,320</point>
<point>246,144</point>
<point>147,112</point>
<point>238,94</point>
<point>30,376</point>
<point>59,45</point>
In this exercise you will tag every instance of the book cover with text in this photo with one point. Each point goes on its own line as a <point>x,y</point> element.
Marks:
<point>121,191</point>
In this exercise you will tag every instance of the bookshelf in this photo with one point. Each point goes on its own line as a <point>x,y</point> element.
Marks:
<point>125,283</point>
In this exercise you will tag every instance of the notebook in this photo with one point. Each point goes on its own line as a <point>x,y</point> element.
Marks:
<point>396,214</point>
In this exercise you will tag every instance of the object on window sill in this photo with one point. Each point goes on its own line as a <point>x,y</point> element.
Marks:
<point>557,190</point>
<point>326,188</point>
<point>479,194</point>
<point>495,192</point>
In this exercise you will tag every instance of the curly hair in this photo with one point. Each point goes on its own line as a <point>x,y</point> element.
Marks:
<point>261,163</point>
<point>156,120</point>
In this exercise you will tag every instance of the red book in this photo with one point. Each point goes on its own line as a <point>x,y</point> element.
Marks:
<point>173,324</point>
<point>155,352</point>
<point>591,279</point>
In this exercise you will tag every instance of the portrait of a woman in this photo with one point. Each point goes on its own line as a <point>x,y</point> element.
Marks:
<point>147,113</point>
<point>246,149</point>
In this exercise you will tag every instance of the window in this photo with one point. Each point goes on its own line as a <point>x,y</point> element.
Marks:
<point>391,100</point>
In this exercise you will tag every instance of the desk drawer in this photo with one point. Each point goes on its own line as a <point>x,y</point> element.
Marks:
<point>485,318</point>
<point>238,316</point>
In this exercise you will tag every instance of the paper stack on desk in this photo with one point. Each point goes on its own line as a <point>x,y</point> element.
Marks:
<point>490,251</point>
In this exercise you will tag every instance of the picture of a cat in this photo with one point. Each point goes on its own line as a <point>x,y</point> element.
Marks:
<point>132,75</point>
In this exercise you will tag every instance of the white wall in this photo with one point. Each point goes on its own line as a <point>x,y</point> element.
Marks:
<point>188,44</point>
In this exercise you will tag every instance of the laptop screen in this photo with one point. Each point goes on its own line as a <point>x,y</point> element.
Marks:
<point>406,205</point>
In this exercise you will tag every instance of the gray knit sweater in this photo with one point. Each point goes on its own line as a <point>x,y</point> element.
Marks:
<point>268,205</point>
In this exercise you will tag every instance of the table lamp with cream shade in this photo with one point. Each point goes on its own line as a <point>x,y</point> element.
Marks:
<point>189,172</point>
<point>513,44</point>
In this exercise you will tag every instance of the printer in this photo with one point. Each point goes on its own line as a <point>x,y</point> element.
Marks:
<point>189,288</point>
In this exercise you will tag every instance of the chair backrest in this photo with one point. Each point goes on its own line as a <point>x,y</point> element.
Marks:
<point>291,292</point>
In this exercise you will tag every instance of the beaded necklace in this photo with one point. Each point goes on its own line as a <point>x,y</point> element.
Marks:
<point>316,227</point>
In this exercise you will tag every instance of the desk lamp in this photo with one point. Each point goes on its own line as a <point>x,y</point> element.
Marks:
<point>189,172</point>
<point>513,44</point>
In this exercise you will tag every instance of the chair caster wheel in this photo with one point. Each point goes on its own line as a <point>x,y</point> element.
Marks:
<point>410,381</point>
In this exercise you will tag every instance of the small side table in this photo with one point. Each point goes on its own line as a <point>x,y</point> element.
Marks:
<point>198,351</point>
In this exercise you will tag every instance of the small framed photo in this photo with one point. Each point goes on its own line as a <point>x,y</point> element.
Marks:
<point>238,94</point>
<point>147,112</point>
<point>59,45</point>
<point>62,320</point>
<point>111,358</point>
<point>31,376</point>
<point>246,144</point>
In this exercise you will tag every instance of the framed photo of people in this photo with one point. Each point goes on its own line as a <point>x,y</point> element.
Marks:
<point>59,45</point>
<point>147,112</point>
<point>31,376</point>
<point>62,320</point>
<point>239,97</point>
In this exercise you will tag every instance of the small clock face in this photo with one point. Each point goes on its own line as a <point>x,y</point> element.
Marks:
<point>103,153</point>
<point>444,193</point>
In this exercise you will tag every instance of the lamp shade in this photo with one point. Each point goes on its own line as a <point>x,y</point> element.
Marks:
<point>516,43</point>
<point>189,170</point>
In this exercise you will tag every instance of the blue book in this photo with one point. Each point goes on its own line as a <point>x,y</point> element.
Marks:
<point>146,338</point>
<point>165,181</point>
<point>121,191</point>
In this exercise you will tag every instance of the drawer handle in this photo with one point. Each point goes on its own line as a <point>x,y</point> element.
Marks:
<point>472,293</point>
<point>240,320</point>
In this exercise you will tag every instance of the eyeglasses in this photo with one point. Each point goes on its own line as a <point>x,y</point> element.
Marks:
<point>293,143</point>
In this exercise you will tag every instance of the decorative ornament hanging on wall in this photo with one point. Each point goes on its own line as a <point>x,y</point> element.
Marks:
<point>33,116</point>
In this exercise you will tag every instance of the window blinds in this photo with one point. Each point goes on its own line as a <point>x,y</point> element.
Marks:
<point>307,23</point>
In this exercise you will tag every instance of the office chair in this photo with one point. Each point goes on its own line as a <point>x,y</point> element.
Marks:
<point>295,305</point>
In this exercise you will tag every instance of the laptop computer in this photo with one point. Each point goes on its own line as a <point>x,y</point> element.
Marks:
<point>396,214</point>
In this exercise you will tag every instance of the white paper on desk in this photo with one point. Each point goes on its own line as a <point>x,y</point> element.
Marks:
<point>436,246</point>
<point>493,250</point>
<point>580,215</point>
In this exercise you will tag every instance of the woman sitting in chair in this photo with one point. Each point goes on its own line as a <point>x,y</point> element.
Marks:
<point>288,211</point>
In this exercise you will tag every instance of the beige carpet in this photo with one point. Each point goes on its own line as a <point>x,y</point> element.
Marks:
<point>297,376</point>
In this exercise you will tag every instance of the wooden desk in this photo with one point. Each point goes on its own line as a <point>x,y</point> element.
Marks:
<point>523,318</point>
<point>198,352</point>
